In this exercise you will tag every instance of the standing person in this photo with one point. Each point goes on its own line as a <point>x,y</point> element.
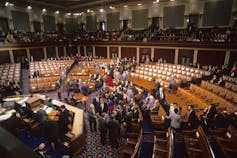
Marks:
<point>103,128</point>
<point>58,89</point>
<point>192,117</point>
<point>68,87</point>
<point>114,128</point>
<point>63,122</point>
<point>175,119</point>
<point>172,83</point>
<point>92,118</point>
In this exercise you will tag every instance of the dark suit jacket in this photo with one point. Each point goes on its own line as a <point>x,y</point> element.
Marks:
<point>63,119</point>
<point>192,119</point>
<point>102,125</point>
<point>103,110</point>
<point>114,128</point>
<point>91,115</point>
<point>97,105</point>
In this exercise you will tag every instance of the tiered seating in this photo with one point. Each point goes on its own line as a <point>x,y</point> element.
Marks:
<point>230,79</point>
<point>226,141</point>
<point>43,83</point>
<point>158,118</point>
<point>133,142</point>
<point>223,92</point>
<point>196,144</point>
<point>164,71</point>
<point>10,72</point>
<point>163,144</point>
<point>211,98</point>
<point>231,86</point>
<point>50,68</point>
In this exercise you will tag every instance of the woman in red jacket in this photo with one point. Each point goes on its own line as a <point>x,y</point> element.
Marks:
<point>109,81</point>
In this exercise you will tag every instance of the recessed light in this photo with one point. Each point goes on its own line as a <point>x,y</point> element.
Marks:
<point>44,10</point>
<point>101,10</point>
<point>125,6</point>
<point>88,10</point>
<point>57,12</point>
<point>29,7</point>
<point>139,4</point>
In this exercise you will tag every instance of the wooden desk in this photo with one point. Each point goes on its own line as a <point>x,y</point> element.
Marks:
<point>79,97</point>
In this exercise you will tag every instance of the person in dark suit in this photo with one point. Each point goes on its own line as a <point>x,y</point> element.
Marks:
<point>114,128</point>
<point>209,115</point>
<point>103,106</point>
<point>92,117</point>
<point>58,89</point>
<point>103,128</point>
<point>96,103</point>
<point>63,122</point>
<point>192,117</point>
<point>41,150</point>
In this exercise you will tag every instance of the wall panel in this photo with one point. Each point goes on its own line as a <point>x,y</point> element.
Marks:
<point>101,51</point>
<point>165,54</point>
<point>211,57</point>
<point>128,52</point>
<point>4,57</point>
<point>37,53</point>
<point>18,54</point>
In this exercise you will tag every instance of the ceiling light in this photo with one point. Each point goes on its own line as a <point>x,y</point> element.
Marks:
<point>125,6</point>
<point>111,7</point>
<point>29,7</point>
<point>139,4</point>
<point>69,14</point>
<point>57,12</point>
<point>6,4</point>
<point>9,4</point>
<point>157,1</point>
<point>101,10</point>
<point>172,0</point>
<point>88,10</point>
<point>76,14</point>
<point>44,10</point>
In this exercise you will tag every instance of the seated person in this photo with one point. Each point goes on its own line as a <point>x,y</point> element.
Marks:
<point>208,115</point>
<point>50,104</point>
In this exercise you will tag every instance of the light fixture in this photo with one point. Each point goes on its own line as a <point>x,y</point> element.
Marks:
<point>88,10</point>
<point>29,7</point>
<point>101,10</point>
<point>111,7</point>
<point>125,6</point>
<point>172,0</point>
<point>57,12</point>
<point>69,14</point>
<point>139,4</point>
<point>6,4</point>
<point>157,1</point>
<point>76,14</point>
<point>9,4</point>
<point>44,10</point>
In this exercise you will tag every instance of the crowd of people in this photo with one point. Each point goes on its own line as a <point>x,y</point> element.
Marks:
<point>9,88</point>
<point>151,33</point>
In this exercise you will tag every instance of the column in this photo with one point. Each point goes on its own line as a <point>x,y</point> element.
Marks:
<point>65,51</point>
<point>195,56</point>
<point>11,56</point>
<point>45,53</point>
<point>119,52</point>
<point>152,53</point>
<point>85,53</point>
<point>176,57</point>
<point>93,51</point>
<point>28,53</point>
<point>227,57</point>
<point>137,55</point>
<point>56,50</point>
<point>108,54</point>
<point>78,50</point>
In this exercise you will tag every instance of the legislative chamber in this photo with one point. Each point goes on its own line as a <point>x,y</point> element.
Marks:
<point>118,79</point>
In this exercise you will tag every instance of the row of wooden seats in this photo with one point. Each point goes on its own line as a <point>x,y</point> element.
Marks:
<point>231,86</point>
<point>174,68</point>
<point>142,83</point>
<point>163,144</point>
<point>133,143</point>
<point>43,83</point>
<point>230,79</point>
<point>158,118</point>
<point>223,92</point>
<point>226,139</point>
<point>10,72</point>
<point>196,144</point>
<point>211,98</point>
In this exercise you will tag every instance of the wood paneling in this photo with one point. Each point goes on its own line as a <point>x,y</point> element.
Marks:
<point>60,51</point>
<point>128,52</point>
<point>71,50</point>
<point>51,52</point>
<point>113,50</point>
<point>211,57</point>
<point>233,58</point>
<point>37,53</point>
<point>185,54</point>
<point>165,54</point>
<point>82,50</point>
<point>89,51</point>
<point>145,52</point>
<point>101,51</point>
<point>4,57</point>
<point>18,54</point>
